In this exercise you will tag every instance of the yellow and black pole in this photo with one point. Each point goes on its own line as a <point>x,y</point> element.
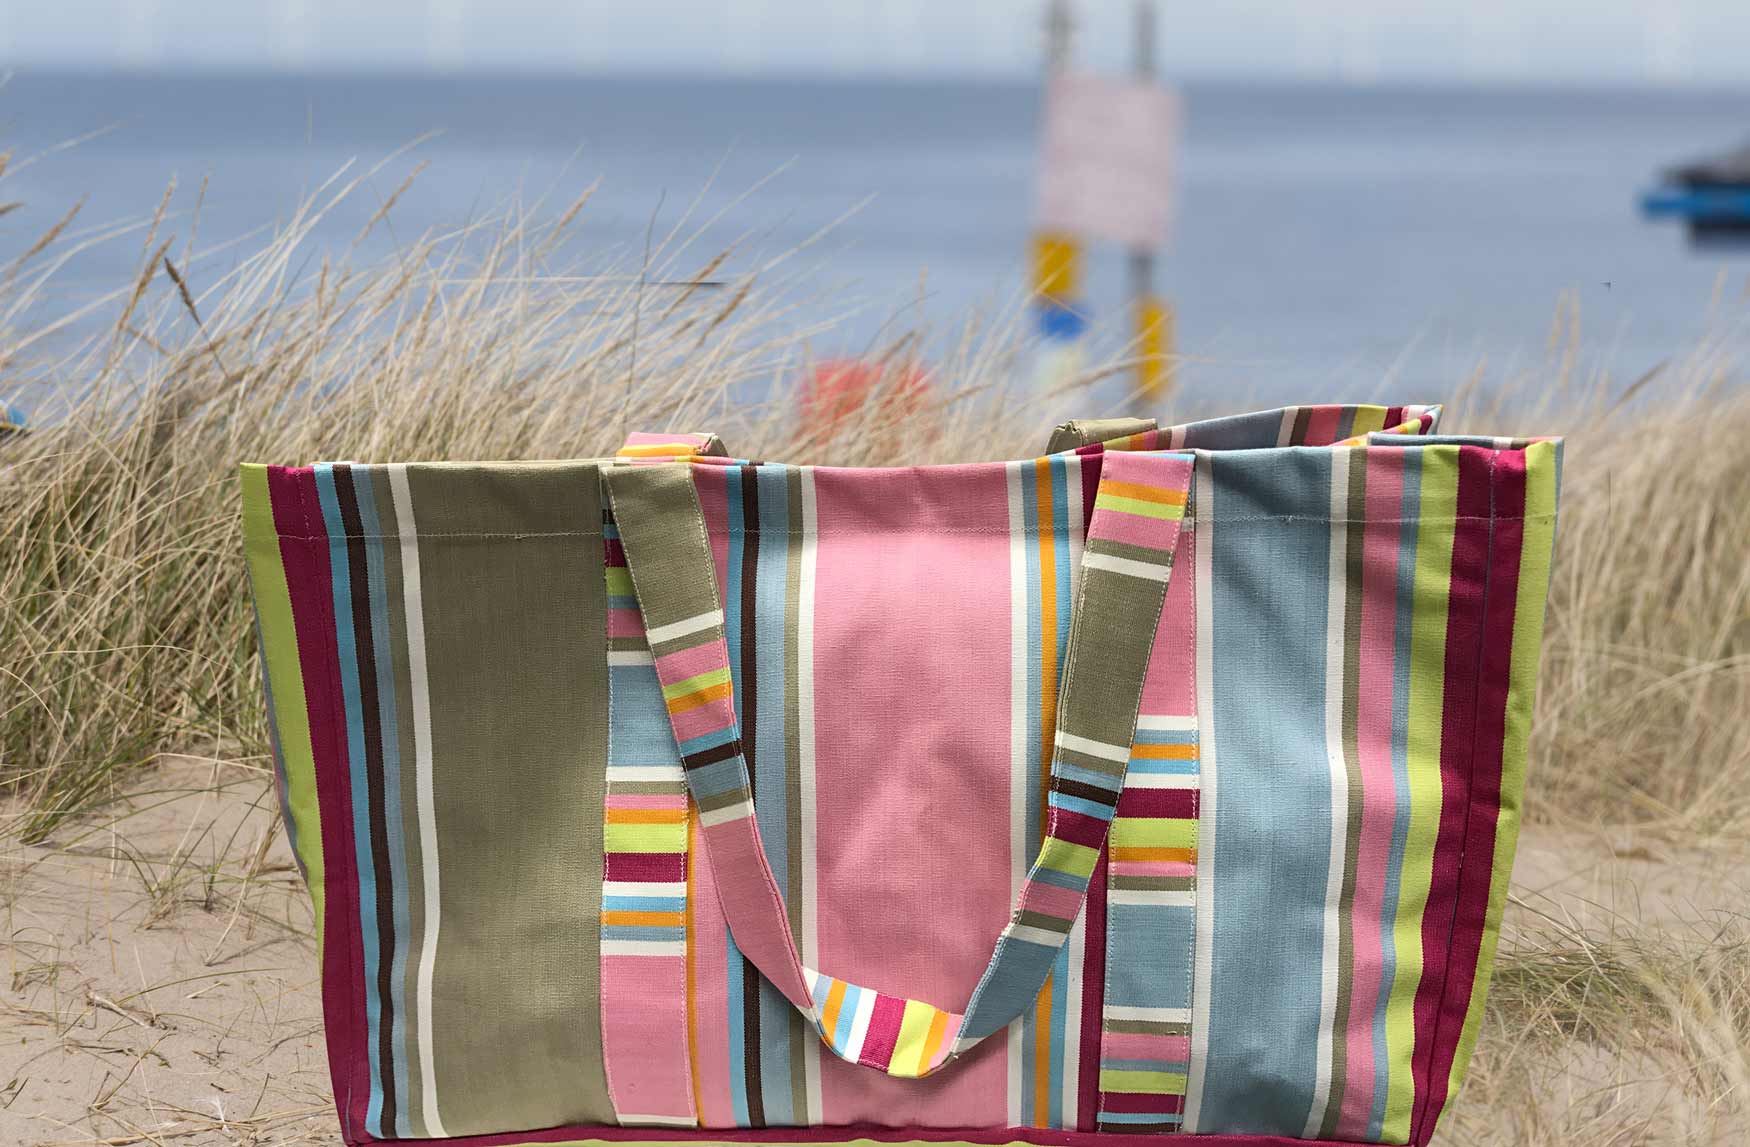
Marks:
<point>1153,314</point>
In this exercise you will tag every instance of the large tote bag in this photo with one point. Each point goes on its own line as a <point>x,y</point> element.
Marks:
<point>1167,783</point>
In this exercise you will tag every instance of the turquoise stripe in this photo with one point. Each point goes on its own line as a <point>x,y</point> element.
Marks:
<point>346,650</point>
<point>1074,772</point>
<point>1139,1117</point>
<point>644,903</point>
<point>1082,805</point>
<point>1267,945</point>
<point>1157,767</point>
<point>377,578</point>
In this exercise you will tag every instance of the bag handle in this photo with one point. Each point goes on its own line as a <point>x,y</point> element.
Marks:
<point>1125,566</point>
<point>1069,436</point>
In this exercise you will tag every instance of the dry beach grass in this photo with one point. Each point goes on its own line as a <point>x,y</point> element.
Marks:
<point>160,963</point>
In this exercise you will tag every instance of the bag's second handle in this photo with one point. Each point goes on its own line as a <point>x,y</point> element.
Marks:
<point>1124,570</point>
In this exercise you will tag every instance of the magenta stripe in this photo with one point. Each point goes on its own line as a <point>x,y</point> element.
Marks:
<point>645,866</point>
<point>883,1032</point>
<point>304,552</point>
<point>1077,828</point>
<point>1178,804</point>
<point>1143,1103</point>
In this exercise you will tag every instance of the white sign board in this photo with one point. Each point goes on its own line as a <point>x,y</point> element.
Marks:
<point>1106,169</point>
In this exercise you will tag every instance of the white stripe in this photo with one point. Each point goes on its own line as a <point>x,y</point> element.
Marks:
<point>860,1025</point>
<point>1202,531</point>
<point>639,888</point>
<point>676,629</point>
<point>1156,897</point>
<point>420,688</point>
<point>805,786</point>
<point>644,947</point>
<point>1136,780</point>
<point>1018,472</point>
<point>671,774</point>
<point>1285,433</point>
<point>1157,723</point>
<point>1118,753</point>
<point>726,814</point>
<point>1148,1015</point>
<point>1043,937</point>
<point>630,657</point>
<point>1072,1009</point>
<point>655,1120</point>
<point>1129,567</point>
<point>1335,602</point>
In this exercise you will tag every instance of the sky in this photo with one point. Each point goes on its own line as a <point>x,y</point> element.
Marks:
<point>1663,42</point>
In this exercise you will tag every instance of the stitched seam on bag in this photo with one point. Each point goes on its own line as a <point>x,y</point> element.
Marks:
<point>1430,1115</point>
<point>332,683</point>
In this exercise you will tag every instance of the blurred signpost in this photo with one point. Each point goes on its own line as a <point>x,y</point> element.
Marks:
<point>1105,172</point>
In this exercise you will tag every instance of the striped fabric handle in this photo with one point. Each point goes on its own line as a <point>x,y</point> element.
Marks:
<point>1125,566</point>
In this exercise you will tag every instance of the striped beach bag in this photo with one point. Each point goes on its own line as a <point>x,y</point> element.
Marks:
<point>1165,784</point>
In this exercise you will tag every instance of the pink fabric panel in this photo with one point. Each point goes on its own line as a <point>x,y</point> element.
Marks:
<point>1171,685</point>
<point>650,1074</point>
<point>911,666</point>
<point>707,718</point>
<point>712,483</point>
<point>1379,574</point>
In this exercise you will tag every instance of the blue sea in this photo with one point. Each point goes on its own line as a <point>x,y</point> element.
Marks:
<point>1331,242</point>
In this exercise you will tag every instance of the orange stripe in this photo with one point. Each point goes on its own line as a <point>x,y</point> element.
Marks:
<point>933,1041</point>
<point>835,999</point>
<point>692,975</point>
<point>1188,855</point>
<point>1048,733</point>
<point>646,919</point>
<point>700,697</point>
<point>646,815</point>
<point>1165,752</point>
<point>1042,1058</point>
<point>1142,493</point>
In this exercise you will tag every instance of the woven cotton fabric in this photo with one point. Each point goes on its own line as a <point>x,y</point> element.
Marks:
<point>1167,784</point>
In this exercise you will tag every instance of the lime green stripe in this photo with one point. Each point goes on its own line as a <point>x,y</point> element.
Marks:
<point>1432,591</point>
<point>279,645</point>
<point>1153,832</point>
<point>619,582</point>
<point>1541,468</point>
<point>695,683</point>
<point>645,838</point>
<point>1161,510</point>
<point>1367,420</point>
<point>1143,1082</point>
<point>1067,856</point>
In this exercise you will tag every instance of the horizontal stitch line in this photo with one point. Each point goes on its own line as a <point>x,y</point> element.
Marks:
<point>515,536</point>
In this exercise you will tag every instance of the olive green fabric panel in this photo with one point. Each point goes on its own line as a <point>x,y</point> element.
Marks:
<point>1087,431</point>
<point>519,759</point>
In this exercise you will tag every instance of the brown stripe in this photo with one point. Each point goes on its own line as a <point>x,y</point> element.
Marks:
<point>712,755</point>
<point>1302,418</point>
<point>1044,922</point>
<point>1154,883</point>
<point>358,580</point>
<point>747,694</point>
<point>1085,791</point>
<point>801,1033</point>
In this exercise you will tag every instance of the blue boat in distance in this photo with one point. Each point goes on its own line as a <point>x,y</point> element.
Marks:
<point>1712,195</point>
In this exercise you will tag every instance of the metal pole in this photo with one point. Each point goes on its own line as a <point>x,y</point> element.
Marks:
<point>1150,316</point>
<point>1059,32</point>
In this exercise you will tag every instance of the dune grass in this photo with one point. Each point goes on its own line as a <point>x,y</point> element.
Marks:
<point>125,628</point>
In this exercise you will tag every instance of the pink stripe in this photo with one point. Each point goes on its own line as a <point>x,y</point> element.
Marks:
<point>685,663</point>
<point>647,800</point>
<point>1153,868</point>
<point>710,954</point>
<point>644,1018</point>
<point>1131,1045</point>
<point>712,484</point>
<point>1052,900</point>
<point>754,913</point>
<point>1321,425</point>
<point>646,438</point>
<point>1379,608</point>
<point>625,623</point>
<point>711,718</point>
<point>900,548</point>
